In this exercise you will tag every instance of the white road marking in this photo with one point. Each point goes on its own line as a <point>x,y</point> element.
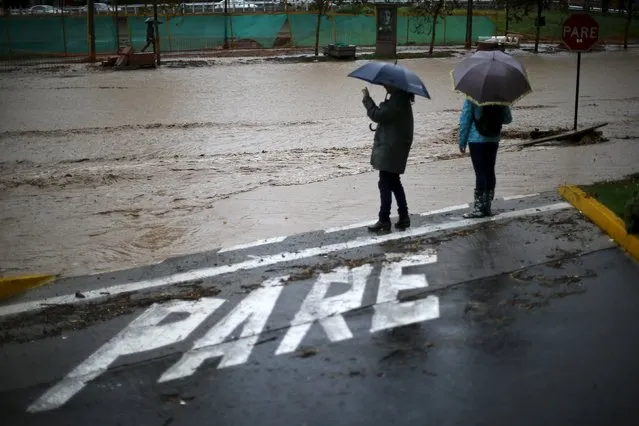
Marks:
<point>252,313</point>
<point>252,244</point>
<point>273,259</point>
<point>327,310</point>
<point>347,227</point>
<point>389,312</point>
<point>446,210</point>
<point>518,197</point>
<point>142,334</point>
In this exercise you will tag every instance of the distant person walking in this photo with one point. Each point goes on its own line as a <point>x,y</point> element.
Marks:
<point>391,146</point>
<point>150,34</point>
<point>480,131</point>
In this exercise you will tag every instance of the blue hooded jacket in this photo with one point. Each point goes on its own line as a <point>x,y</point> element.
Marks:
<point>467,130</point>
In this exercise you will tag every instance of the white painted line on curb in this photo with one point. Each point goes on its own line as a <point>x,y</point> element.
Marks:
<point>268,260</point>
<point>446,210</point>
<point>347,227</point>
<point>518,197</point>
<point>253,244</point>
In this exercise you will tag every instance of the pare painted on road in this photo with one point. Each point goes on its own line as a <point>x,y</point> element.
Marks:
<point>148,332</point>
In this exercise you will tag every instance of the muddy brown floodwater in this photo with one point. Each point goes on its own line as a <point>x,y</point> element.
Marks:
<point>101,170</point>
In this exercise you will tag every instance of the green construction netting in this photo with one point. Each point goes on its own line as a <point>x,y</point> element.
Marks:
<point>358,30</point>
<point>104,34</point>
<point>41,34</point>
<point>54,35</point>
<point>303,28</point>
<point>456,28</point>
<point>261,28</point>
<point>418,30</point>
<point>182,32</point>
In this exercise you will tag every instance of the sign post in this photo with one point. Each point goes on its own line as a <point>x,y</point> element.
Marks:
<point>579,33</point>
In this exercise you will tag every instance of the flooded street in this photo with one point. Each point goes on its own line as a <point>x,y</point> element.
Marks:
<point>102,170</point>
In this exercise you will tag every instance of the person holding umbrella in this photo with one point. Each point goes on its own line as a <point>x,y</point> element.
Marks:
<point>492,81</point>
<point>393,135</point>
<point>150,33</point>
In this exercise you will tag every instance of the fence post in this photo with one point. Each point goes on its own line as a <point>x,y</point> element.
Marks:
<point>334,29</point>
<point>407,28</point>
<point>445,19</point>
<point>230,18</point>
<point>64,30</point>
<point>168,32</point>
<point>6,27</point>
<point>91,30</point>
<point>117,28</point>
<point>290,29</point>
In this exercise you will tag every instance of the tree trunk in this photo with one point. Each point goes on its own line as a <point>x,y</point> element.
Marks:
<point>317,30</point>
<point>627,31</point>
<point>540,6</point>
<point>432,38</point>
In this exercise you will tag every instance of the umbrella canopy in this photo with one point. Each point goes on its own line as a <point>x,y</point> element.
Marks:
<point>394,75</point>
<point>149,20</point>
<point>491,77</point>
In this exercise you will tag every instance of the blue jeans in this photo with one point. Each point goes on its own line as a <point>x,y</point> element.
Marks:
<point>389,184</point>
<point>484,156</point>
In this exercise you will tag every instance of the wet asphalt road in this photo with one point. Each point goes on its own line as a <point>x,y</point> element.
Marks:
<point>530,318</point>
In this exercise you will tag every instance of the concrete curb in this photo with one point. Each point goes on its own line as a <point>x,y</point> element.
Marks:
<point>12,286</point>
<point>601,216</point>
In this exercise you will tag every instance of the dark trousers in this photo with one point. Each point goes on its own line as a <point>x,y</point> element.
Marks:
<point>149,42</point>
<point>389,184</point>
<point>484,156</point>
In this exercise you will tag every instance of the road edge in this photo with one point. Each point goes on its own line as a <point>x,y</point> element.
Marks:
<point>603,217</point>
<point>12,286</point>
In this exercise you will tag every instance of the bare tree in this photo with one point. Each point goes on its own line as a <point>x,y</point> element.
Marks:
<point>321,7</point>
<point>432,10</point>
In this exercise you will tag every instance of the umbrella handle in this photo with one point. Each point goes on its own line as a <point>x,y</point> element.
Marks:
<point>370,126</point>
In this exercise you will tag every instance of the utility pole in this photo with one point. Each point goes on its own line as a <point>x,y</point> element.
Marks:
<point>156,44</point>
<point>91,28</point>
<point>469,25</point>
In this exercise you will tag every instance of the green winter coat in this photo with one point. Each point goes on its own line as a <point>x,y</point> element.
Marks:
<point>394,134</point>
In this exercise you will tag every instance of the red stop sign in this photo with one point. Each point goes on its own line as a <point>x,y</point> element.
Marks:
<point>580,32</point>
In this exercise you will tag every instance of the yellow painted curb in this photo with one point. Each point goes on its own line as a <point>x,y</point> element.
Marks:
<point>601,216</point>
<point>11,286</point>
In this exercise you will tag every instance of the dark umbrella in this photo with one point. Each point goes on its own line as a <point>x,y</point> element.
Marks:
<point>491,77</point>
<point>148,20</point>
<point>394,75</point>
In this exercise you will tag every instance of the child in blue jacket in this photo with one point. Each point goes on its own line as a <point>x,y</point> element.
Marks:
<point>483,153</point>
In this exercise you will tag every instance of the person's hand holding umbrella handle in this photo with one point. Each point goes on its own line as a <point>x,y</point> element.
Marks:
<point>365,93</point>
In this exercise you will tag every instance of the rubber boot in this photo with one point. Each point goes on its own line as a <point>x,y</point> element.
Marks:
<point>478,206</point>
<point>488,201</point>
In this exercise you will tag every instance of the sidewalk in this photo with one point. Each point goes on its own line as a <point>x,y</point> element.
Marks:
<point>339,202</point>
